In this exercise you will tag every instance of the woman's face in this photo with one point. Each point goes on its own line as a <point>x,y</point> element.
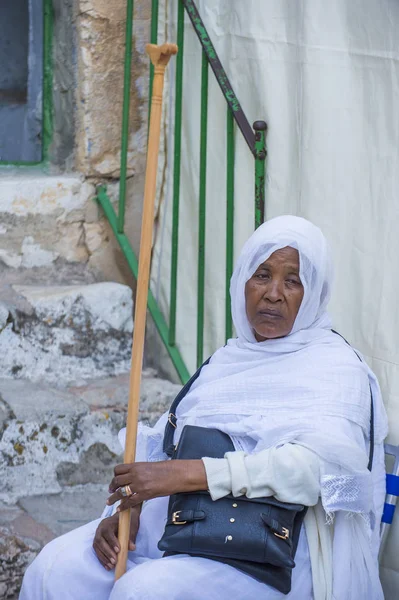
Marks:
<point>274,294</point>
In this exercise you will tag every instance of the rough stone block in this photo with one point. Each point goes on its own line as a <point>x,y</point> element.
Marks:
<point>69,332</point>
<point>15,556</point>
<point>95,235</point>
<point>101,34</point>
<point>105,304</point>
<point>4,313</point>
<point>74,508</point>
<point>156,395</point>
<point>53,439</point>
<point>44,428</point>
<point>42,220</point>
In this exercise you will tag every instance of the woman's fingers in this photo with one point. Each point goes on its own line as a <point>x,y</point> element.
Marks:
<point>122,469</point>
<point>112,540</point>
<point>115,497</point>
<point>130,502</point>
<point>107,550</point>
<point>105,542</point>
<point>134,527</point>
<point>119,496</point>
<point>104,560</point>
<point>119,481</point>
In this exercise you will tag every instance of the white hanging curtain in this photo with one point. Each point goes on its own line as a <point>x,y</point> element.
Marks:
<point>325,77</point>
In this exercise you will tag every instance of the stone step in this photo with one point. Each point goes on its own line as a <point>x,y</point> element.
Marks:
<point>58,449</point>
<point>66,333</point>
<point>64,380</point>
<point>25,528</point>
<point>51,438</point>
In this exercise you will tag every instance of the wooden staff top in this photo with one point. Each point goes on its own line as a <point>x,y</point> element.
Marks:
<point>160,55</point>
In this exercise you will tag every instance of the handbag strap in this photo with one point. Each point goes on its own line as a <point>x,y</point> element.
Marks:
<point>168,446</point>
<point>371,451</point>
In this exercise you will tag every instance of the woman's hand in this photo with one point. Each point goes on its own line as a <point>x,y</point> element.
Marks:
<point>151,480</point>
<point>106,544</point>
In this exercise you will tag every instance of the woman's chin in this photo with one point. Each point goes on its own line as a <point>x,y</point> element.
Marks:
<point>268,334</point>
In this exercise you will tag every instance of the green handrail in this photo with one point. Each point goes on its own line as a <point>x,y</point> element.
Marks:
<point>202,211</point>
<point>176,173</point>
<point>256,140</point>
<point>229,219</point>
<point>104,201</point>
<point>260,171</point>
<point>153,40</point>
<point>127,79</point>
<point>220,74</point>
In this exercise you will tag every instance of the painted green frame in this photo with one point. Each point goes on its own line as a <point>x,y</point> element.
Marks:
<point>47,119</point>
<point>256,141</point>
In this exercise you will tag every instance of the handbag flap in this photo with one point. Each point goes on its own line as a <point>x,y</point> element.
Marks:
<point>198,442</point>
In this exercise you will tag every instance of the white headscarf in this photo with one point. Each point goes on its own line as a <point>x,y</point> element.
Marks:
<point>315,273</point>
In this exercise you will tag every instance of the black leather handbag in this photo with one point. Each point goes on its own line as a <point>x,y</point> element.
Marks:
<point>258,536</point>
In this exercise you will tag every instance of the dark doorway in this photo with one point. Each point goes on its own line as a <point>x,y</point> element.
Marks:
<point>21,80</point>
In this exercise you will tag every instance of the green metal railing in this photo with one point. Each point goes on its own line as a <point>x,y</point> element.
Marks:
<point>256,140</point>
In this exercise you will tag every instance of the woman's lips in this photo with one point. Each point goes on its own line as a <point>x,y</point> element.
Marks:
<point>271,314</point>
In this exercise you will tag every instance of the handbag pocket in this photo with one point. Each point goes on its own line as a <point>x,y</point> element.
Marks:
<point>236,528</point>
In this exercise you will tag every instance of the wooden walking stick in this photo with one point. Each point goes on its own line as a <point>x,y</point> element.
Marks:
<point>160,56</point>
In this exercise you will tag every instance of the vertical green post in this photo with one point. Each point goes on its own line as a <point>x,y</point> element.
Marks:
<point>202,210</point>
<point>153,40</point>
<point>127,78</point>
<point>260,128</point>
<point>229,219</point>
<point>176,173</point>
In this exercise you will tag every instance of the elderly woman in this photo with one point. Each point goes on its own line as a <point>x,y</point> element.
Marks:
<point>295,400</point>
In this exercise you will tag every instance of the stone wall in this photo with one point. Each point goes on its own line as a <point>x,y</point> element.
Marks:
<point>64,53</point>
<point>51,230</point>
<point>101,37</point>
<point>64,376</point>
<point>48,217</point>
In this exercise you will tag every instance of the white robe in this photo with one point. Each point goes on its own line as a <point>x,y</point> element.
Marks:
<point>68,569</point>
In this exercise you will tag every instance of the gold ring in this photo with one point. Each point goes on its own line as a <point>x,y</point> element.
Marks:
<point>126,491</point>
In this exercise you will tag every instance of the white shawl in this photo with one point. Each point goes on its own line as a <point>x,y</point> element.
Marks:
<point>304,389</point>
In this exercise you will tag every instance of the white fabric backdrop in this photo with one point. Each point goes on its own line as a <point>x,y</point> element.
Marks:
<point>325,76</point>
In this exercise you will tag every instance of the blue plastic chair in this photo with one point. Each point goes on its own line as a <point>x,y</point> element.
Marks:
<point>392,495</point>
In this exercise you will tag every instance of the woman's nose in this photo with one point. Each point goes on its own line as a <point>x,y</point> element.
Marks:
<point>274,290</point>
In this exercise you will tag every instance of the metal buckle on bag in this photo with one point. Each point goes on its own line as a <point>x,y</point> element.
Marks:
<point>285,532</point>
<point>170,420</point>
<point>175,517</point>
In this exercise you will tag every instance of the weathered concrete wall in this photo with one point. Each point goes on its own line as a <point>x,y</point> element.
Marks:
<point>64,375</point>
<point>42,219</point>
<point>64,53</point>
<point>57,453</point>
<point>65,333</point>
<point>101,33</point>
<point>51,231</point>
<point>88,56</point>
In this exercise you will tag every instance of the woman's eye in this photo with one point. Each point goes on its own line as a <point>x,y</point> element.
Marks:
<point>293,281</point>
<point>262,275</point>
